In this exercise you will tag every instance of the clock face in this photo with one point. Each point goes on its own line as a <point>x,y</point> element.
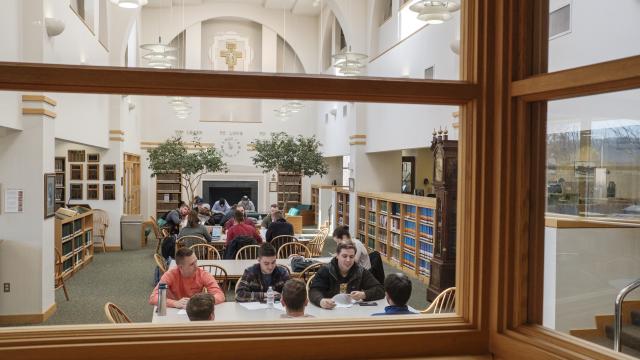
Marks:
<point>230,147</point>
<point>438,166</point>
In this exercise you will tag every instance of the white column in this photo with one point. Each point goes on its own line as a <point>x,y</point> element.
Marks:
<point>193,47</point>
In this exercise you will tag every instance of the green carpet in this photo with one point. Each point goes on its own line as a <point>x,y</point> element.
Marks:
<point>126,279</point>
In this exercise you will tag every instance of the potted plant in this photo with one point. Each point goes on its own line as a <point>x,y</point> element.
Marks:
<point>284,153</point>
<point>173,156</point>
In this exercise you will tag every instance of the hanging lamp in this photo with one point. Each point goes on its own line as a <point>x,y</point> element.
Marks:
<point>434,12</point>
<point>130,4</point>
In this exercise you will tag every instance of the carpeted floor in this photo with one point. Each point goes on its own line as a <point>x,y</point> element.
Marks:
<point>126,279</point>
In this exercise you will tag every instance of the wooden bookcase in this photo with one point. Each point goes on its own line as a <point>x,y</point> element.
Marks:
<point>168,192</point>
<point>74,240</point>
<point>315,203</point>
<point>290,183</point>
<point>342,207</point>
<point>61,177</point>
<point>400,227</point>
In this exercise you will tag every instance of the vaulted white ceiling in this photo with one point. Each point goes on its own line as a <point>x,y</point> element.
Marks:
<point>296,7</point>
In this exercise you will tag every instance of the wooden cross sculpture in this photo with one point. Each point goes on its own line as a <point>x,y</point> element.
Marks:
<point>231,56</point>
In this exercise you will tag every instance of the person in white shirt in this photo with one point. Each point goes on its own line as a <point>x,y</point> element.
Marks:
<point>247,204</point>
<point>341,233</point>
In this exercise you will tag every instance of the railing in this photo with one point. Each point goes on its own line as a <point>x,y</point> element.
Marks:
<point>617,326</point>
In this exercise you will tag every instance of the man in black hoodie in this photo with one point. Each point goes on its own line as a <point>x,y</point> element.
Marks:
<point>279,226</point>
<point>343,276</point>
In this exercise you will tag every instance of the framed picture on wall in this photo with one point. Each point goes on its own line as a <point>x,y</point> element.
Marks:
<point>273,186</point>
<point>49,195</point>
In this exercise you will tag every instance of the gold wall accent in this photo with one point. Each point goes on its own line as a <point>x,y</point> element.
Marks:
<point>36,111</point>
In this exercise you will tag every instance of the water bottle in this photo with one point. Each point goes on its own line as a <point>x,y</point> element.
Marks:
<point>162,299</point>
<point>259,217</point>
<point>270,297</point>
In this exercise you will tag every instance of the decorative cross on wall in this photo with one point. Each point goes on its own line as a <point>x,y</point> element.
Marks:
<point>231,56</point>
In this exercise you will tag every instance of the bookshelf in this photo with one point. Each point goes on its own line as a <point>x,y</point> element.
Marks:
<point>168,192</point>
<point>289,187</point>
<point>74,239</point>
<point>61,194</point>
<point>342,207</point>
<point>401,228</point>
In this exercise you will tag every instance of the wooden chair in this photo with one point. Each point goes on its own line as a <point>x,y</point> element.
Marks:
<point>218,272</point>
<point>309,283</point>
<point>205,252</point>
<point>317,243</point>
<point>115,315</point>
<point>281,240</point>
<point>189,241</point>
<point>100,226</point>
<point>157,233</point>
<point>59,279</point>
<point>291,248</point>
<point>162,265</point>
<point>309,271</point>
<point>248,252</point>
<point>445,302</point>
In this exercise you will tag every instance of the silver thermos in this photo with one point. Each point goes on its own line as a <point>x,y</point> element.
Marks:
<point>162,299</point>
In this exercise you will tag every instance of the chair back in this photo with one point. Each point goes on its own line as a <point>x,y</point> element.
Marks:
<point>317,243</point>
<point>115,315</point>
<point>205,252</point>
<point>445,302</point>
<point>162,265</point>
<point>309,283</point>
<point>219,273</point>
<point>310,271</point>
<point>377,268</point>
<point>100,222</point>
<point>291,248</point>
<point>248,252</point>
<point>189,241</point>
<point>281,240</point>
<point>236,244</point>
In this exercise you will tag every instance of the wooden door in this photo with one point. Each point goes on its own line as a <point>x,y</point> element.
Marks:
<point>131,184</point>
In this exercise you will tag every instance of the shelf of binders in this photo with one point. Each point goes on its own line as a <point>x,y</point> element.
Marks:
<point>403,231</point>
<point>342,207</point>
<point>74,241</point>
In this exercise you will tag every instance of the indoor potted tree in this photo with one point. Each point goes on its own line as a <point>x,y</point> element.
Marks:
<point>173,156</point>
<point>295,155</point>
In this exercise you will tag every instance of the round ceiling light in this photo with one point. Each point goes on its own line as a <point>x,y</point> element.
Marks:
<point>130,4</point>
<point>435,12</point>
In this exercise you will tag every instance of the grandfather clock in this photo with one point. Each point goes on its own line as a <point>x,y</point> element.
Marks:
<point>445,183</point>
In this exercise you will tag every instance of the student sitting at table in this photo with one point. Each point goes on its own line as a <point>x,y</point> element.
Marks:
<point>257,278</point>
<point>242,228</point>
<point>174,218</point>
<point>194,228</point>
<point>341,233</point>
<point>229,223</point>
<point>343,276</point>
<point>185,280</point>
<point>266,221</point>
<point>397,288</point>
<point>200,307</point>
<point>279,226</point>
<point>294,299</point>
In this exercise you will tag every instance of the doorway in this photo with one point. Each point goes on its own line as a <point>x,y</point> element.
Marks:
<point>131,184</point>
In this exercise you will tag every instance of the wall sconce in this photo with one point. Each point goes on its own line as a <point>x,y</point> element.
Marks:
<point>54,26</point>
<point>455,46</point>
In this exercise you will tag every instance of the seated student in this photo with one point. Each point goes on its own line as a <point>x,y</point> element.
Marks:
<point>228,216</point>
<point>279,226</point>
<point>194,228</point>
<point>343,275</point>
<point>229,223</point>
<point>294,299</point>
<point>341,233</point>
<point>266,221</point>
<point>185,280</point>
<point>241,228</point>
<point>221,206</point>
<point>174,218</point>
<point>247,204</point>
<point>200,307</point>
<point>257,278</point>
<point>397,288</point>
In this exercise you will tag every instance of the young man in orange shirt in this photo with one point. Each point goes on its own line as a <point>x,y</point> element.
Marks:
<point>185,280</point>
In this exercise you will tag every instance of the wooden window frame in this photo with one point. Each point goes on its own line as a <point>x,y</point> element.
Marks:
<point>500,220</point>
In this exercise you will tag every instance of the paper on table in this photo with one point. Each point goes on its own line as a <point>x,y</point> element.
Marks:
<point>182,312</point>
<point>343,300</point>
<point>259,306</point>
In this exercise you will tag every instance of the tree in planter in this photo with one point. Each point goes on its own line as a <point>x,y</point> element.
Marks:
<point>282,152</point>
<point>173,156</point>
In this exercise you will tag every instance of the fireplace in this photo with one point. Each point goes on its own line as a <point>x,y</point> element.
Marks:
<point>232,191</point>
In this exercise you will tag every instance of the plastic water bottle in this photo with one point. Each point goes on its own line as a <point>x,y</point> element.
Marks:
<point>259,217</point>
<point>162,299</point>
<point>270,297</point>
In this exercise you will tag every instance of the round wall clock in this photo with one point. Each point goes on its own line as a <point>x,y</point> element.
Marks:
<point>230,147</point>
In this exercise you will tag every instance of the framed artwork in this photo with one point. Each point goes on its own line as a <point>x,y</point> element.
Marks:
<point>352,184</point>
<point>273,186</point>
<point>92,192</point>
<point>109,172</point>
<point>108,192</point>
<point>75,192</point>
<point>93,172</point>
<point>49,195</point>
<point>93,157</point>
<point>76,155</point>
<point>76,172</point>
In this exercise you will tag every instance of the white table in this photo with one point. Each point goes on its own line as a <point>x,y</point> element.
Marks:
<point>234,312</point>
<point>235,268</point>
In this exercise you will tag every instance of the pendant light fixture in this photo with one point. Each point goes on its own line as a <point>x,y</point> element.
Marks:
<point>435,12</point>
<point>347,62</point>
<point>130,4</point>
<point>160,56</point>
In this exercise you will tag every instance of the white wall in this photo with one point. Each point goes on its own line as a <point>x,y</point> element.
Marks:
<point>83,118</point>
